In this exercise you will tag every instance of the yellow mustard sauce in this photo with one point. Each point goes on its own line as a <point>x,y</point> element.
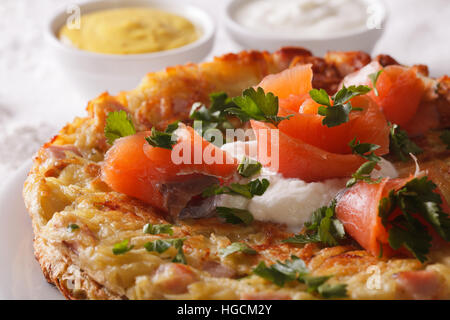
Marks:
<point>130,31</point>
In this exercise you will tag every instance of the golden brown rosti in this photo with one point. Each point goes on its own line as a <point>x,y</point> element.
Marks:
<point>64,187</point>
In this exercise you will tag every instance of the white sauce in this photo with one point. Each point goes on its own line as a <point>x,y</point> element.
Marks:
<point>287,200</point>
<point>306,18</point>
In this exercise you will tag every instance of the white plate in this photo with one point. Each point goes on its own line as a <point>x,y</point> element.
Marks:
<point>20,274</point>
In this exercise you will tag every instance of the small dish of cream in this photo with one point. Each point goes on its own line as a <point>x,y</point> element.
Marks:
<point>314,24</point>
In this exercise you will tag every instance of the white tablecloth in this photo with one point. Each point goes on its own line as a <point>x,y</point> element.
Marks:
<point>36,98</point>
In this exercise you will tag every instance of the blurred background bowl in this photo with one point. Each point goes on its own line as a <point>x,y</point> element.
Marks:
<point>359,39</point>
<point>92,73</point>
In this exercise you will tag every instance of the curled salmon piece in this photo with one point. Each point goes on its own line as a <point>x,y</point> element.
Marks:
<point>367,126</point>
<point>401,95</point>
<point>295,87</point>
<point>307,149</point>
<point>166,179</point>
<point>298,159</point>
<point>358,210</point>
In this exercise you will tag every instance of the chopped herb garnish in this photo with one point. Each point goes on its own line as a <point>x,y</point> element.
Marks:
<point>236,247</point>
<point>253,188</point>
<point>374,78</point>
<point>215,116</point>
<point>364,150</point>
<point>72,227</point>
<point>118,125</point>
<point>338,112</point>
<point>249,167</point>
<point>280,273</point>
<point>161,246</point>
<point>400,145</point>
<point>122,247</point>
<point>295,269</point>
<point>163,139</point>
<point>332,291</point>
<point>322,227</point>
<point>235,215</point>
<point>445,138</point>
<point>313,283</point>
<point>335,115</point>
<point>158,228</point>
<point>257,105</point>
<point>303,238</point>
<point>416,198</point>
<point>364,174</point>
<point>320,96</point>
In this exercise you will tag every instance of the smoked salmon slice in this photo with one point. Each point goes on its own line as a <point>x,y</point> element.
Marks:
<point>367,126</point>
<point>291,86</point>
<point>308,149</point>
<point>297,159</point>
<point>137,169</point>
<point>358,210</point>
<point>399,94</point>
<point>400,91</point>
<point>296,81</point>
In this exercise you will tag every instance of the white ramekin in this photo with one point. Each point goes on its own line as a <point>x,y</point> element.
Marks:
<point>363,39</point>
<point>92,73</point>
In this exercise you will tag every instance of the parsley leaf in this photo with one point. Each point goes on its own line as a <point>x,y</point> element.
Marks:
<point>161,246</point>
<point>72,227</point>
<point>280,273</point>
<point>445,138</point>
<point>364,150</point>
<point>417,197</point>
<point>118,125</point>
<point>158,228</point>
<point>363,174</point>
<point>255,104</point>
<point>335,115</point>
<point>332,291</point>
<point>413,236</point>
<point>346,94</point>
<point>253,188</point>
<point>338,112</point>
<point>249,167</point>
<point>303,238</point>
<point>235,215</point>
<point>400,145</point>
<point>214,117</point>
<point>320,96</point>
<point>322,227</point>
<point>122,247</point>
<point>236,247</point>
<point>295,269</point>
<point>313,283</point>
<point>373,78</point>
<point>163,139</point>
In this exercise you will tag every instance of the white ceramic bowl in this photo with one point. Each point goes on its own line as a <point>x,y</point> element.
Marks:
<point>363,39</point>
<point>93,73</point>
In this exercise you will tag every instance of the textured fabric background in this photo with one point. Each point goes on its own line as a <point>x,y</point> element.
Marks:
<point>36,98</point>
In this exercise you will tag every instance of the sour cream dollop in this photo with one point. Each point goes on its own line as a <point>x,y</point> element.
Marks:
<point>287,200</point>
<point>309,18</point>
